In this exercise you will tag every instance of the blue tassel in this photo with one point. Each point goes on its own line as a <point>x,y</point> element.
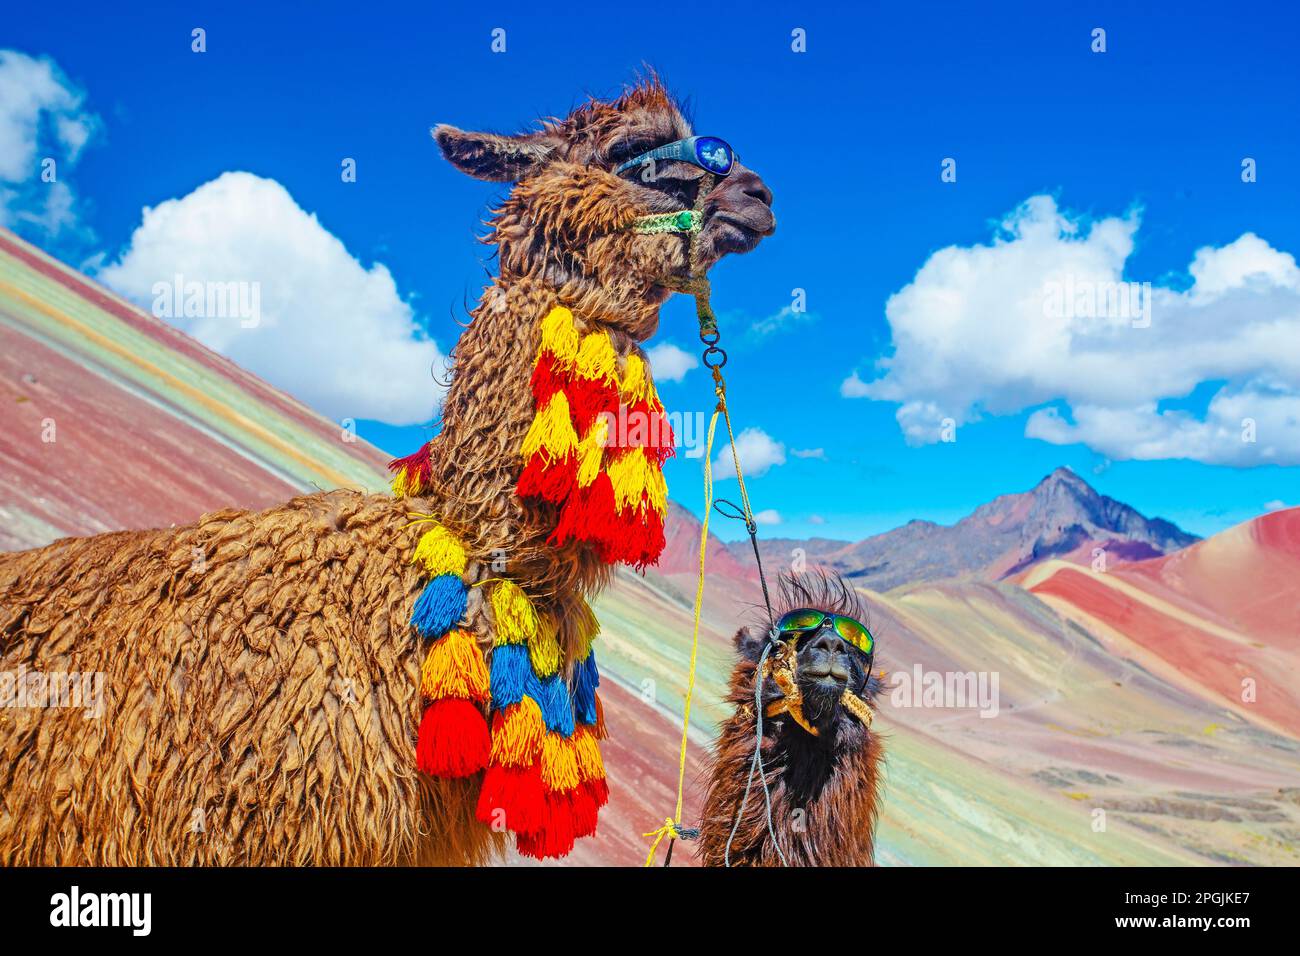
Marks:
<point>511,675</point>
<point>440,606</point>
<point>557,711</point>
<point>533,686</point>
<point>586,678</point>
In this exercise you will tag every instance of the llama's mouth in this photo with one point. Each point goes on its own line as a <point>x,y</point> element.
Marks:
<point>821,696</point>
<point>729,232</point>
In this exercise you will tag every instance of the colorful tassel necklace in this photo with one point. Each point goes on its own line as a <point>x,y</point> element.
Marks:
<point>597,444</point>
<point>545,779</point>
<point>595,449</point>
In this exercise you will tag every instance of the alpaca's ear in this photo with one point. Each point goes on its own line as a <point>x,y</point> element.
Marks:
<point>749,642</point>
<point>491,156</point>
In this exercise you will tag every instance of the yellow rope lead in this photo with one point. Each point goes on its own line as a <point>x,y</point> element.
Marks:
<point>669,828</point>
<point>671,824</point>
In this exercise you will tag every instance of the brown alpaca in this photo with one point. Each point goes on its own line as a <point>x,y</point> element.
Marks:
<point>262,680</point>
<point>824,788</point>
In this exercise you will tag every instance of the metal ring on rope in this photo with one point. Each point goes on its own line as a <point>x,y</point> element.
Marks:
<point>715,350</point>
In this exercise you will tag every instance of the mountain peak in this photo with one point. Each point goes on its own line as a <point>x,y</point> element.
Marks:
<point>1065,475</point>
<point>1061,517</point>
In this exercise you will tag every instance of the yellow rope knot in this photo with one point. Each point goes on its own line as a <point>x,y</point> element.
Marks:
<point>669,829</point>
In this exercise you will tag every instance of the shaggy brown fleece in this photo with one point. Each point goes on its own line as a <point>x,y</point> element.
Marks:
<point>261,697</point>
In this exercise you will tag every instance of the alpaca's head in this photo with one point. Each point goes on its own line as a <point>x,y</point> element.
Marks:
<point>568,218</point>
<point>825,667</point>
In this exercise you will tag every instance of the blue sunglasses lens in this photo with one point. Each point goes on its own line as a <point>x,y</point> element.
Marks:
<point>714,155</point>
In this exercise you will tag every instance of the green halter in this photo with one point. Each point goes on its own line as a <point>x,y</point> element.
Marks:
<point>688,220</point>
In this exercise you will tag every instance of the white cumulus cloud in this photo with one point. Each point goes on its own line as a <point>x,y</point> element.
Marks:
<point>1038,319</point>
<point>768,516</point>
<point>669,363</point>
<point>854,387</point>
<point>331,332</point>
<point>758,452</point>
<point>43,129</point>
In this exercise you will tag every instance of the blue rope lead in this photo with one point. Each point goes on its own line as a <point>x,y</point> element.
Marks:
<point>756,764</point>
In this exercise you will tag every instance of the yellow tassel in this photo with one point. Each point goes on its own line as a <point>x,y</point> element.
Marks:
<point>602,732</point>
<point>515,618</point>
<point>637,385</point>
<point>559,337</point>
<point>543,648</point>
<point>591,451</point>
<point>552,429</point>
<point>656,489</point>
<point>586,626</point>
<point>587,750</point>
<point>398,484</point>
<point>454,667</point>
<point>597,360</point>
<point>517,742</point>
<point>559,763</point>
<point>630,474</point>
<point>440,553</point>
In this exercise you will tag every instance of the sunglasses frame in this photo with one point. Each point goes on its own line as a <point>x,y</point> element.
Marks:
<point>682,150</point>
<point>827,617</point>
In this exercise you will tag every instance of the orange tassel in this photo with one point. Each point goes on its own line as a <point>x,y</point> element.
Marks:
<point>454,667</point>
<point>517,734</point>
<point>601,732</point>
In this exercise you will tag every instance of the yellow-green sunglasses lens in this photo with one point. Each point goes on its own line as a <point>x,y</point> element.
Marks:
<point>854,633</point>
<point>801,620</point>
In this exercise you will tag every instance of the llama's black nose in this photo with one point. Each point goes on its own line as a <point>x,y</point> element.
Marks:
<point>825,655</point>
<point>744,200</point>
<point>752,185</point>
<point>827,643</point>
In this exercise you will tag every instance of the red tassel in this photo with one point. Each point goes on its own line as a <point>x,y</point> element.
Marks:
<point>551,481</point>
<point>637,537</point>
<point>556,836</point>
<point>419,468</point>
<point>589,398</point>
<point>514,797</point>
<point>598,790</point>
<point>645,426</point>
<point>546,380</point>
<point>652,538</point>
<point>588,515</point>
<point>585,811</point>
<point>453,739</point>
<point>661,447</point>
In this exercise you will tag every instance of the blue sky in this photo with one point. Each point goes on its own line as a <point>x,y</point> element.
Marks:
<point>1147,138</point>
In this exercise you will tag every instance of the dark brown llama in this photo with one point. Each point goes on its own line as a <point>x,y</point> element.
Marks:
<point>821,758</point>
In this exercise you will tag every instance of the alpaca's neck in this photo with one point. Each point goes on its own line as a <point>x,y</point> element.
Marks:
<point>485,415</point>
<point>476,456</point>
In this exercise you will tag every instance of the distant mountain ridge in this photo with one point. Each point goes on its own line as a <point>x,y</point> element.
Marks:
<point>1060,517</point>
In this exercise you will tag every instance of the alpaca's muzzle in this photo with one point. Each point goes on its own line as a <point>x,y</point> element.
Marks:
<point>783,668</point>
